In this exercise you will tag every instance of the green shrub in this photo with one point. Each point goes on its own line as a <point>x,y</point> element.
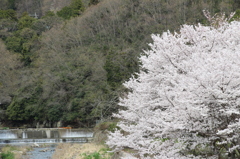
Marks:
<point>236,15</point>
<point>14,43</point>
<point>8,14</point>
<point>113,126</point>
<point>25,21</point>
<point>7,155</point>
<point>11,4</point>
<point>49,14</point>
<point>95,155</point>
<point>101,154</point>
<point>66,12</point>
<point>75,8</point>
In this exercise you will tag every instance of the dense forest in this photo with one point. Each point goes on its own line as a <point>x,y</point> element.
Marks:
<point>65,61</point>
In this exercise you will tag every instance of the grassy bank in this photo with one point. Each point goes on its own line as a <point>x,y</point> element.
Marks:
<point>14,152</point>
<point>84,151</point>
<point>94,150</point>
<point>63,151</point>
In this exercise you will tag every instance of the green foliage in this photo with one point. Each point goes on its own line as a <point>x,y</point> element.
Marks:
<point>236,15</point>
<point>8,14</point>
<point>83,63</point>
<point>25,21</point>
<point>11,4</point>
<point>8,25</point>
<point>120,66</point>
<point>22,42</point>
<point>113,127</point>
<point>54,112</point>
<point>223,150</point>
<point>14,43</point>
<point>49,14</point>
<point>95,155</point>
<point>164,139</point>
<point>77,5</point>
<point>67,12</point>
<point>26,34</point>
<point>23,106</point>
<point>46,23</point>
<point>75,8</point>
<point>101,154</point>
<point>7,155</point>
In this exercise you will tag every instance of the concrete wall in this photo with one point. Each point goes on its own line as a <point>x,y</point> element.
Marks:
<point>47,133</point>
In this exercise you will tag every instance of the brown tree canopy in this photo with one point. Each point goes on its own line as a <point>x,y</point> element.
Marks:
<point>9,74</point>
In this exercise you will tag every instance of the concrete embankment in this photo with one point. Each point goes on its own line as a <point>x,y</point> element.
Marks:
<point>42,135</point>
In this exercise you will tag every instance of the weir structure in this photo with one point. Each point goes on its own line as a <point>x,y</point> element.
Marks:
<point>45,135</point>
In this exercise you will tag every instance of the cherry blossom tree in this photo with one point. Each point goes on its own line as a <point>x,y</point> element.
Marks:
<point>185,103</point>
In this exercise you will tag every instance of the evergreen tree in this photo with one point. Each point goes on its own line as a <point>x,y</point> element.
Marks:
<point>75,9</point>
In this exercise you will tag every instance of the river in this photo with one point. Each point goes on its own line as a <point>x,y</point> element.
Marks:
<point>43,140</point>
<point>45,152</point>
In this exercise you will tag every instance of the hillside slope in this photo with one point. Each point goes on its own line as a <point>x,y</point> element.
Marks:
<point>75,68</point>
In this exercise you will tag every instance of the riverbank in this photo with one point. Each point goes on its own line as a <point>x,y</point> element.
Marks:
<point>95,149</point>
<point>14,152</point>
<point>27,151</point>
<point>41,152</point>
<point>77,151</point>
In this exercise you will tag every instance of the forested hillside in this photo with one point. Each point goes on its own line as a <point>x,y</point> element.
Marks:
<point>68,64</point>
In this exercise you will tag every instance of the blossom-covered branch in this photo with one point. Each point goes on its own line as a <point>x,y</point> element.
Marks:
<point>187,105</point>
